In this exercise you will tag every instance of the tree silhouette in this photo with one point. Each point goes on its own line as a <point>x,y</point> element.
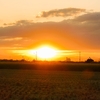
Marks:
<point>89,60</point>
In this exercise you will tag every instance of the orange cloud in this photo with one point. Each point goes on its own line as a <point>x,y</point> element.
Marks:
<point>82,32</point>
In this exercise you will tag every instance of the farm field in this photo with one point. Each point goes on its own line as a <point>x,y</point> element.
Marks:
<point>57,66</point>
<point>19,84</point>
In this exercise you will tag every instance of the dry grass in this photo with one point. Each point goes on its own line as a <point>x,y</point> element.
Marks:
<point>49,85</point>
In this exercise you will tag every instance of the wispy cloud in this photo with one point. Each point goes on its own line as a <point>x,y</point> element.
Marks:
<point>66,12</point>
<point>11,39</point>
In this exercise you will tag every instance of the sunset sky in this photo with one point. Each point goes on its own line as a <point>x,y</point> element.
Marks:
<point>64,24</point>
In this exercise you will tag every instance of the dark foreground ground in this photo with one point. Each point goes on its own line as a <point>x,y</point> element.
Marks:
<point>49,85</point>
<point>49,81</point>
<point>51,66</point>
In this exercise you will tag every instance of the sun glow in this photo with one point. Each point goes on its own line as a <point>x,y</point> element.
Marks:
<point>43,52</point>
<point>46,52</point>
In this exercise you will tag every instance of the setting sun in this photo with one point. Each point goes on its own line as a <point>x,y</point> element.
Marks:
<point>46,52</point>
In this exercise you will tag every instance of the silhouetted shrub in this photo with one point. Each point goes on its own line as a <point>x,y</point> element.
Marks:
<point>89,60</point>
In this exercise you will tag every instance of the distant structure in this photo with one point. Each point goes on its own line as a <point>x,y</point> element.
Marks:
<point>89,60</point>
<point>68,59</point>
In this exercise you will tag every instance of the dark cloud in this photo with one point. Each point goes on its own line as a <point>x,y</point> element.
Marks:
<point>66,12</point>
<point>83,32</point>
<point>89,17</point>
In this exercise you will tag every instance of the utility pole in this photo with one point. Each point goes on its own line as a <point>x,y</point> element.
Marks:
<point>36,55</point>
<point>79,56</point>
